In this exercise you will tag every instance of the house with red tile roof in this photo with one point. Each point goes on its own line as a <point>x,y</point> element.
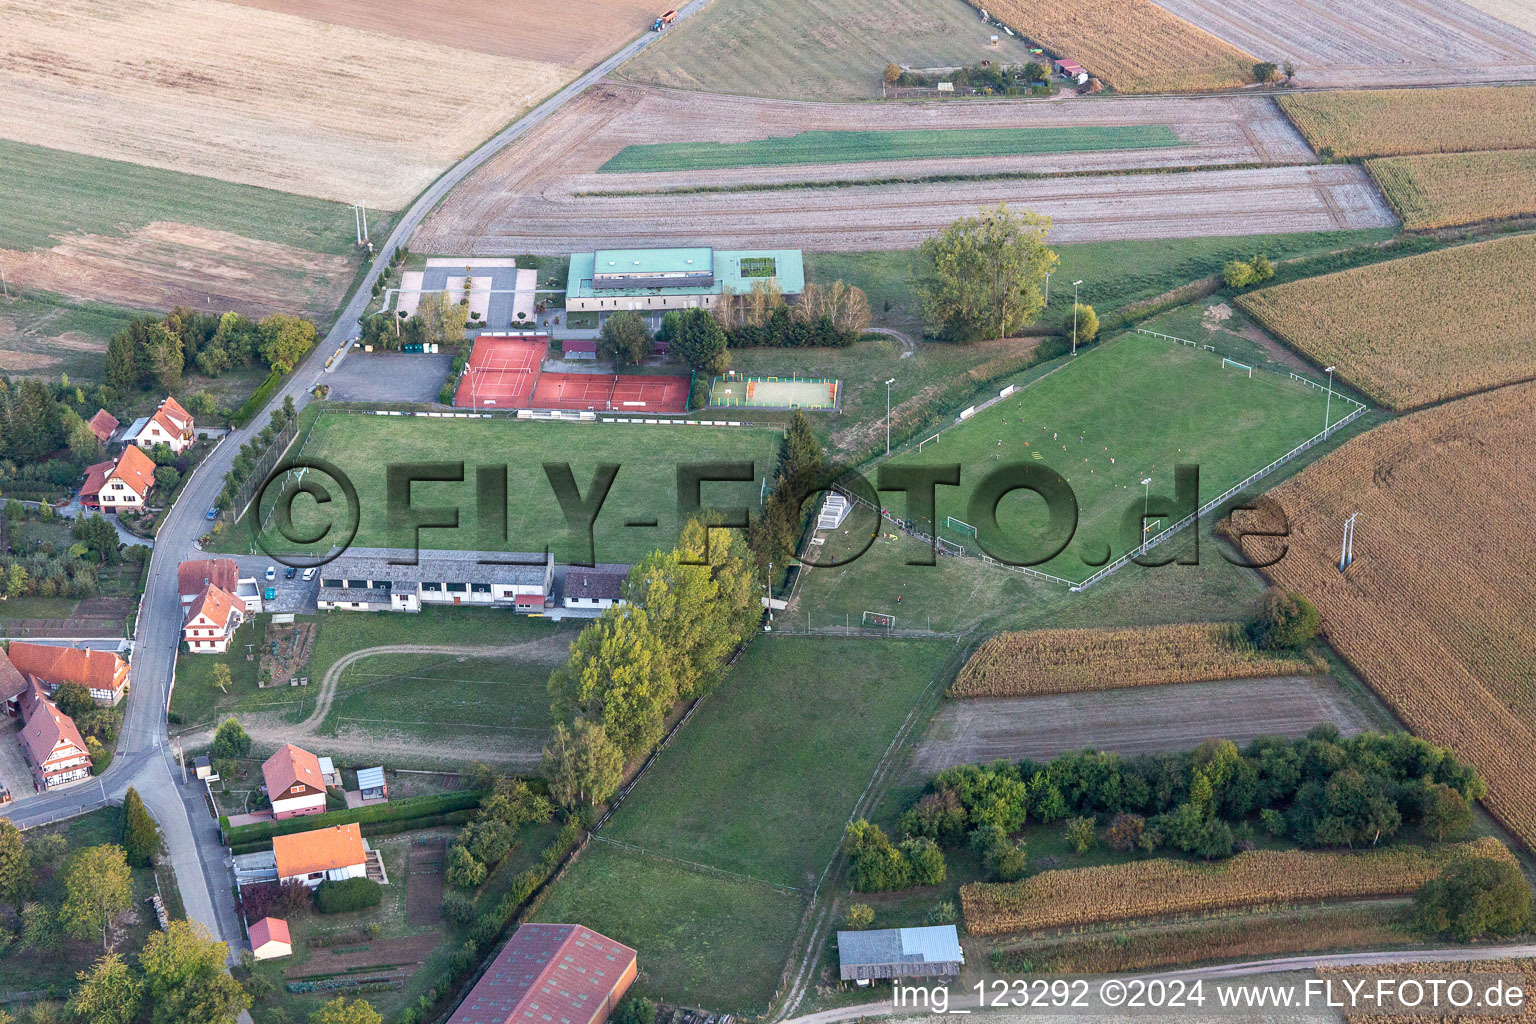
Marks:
<point>103,673</point>
<point>12,686</point>
<point>103,425</point>
<point>294,782</point>
<point>212,619</point>
<point>335,854</point>
<point>171,425</point>
<point>551,974</point>
<point>124,482</point>
<point>193,577</point>
<point>54,749</point>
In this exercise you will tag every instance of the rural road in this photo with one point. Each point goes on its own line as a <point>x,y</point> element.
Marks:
<point>145,757</point>
<point>1217,972</point>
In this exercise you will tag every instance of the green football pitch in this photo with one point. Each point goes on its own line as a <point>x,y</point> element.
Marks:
<point>640,513</point>
<point>1127,411</point>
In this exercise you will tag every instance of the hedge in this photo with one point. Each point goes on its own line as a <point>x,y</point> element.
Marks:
<point>452,819</point>
<point>258,399</point>
<point>406,811</point>
<point>351,894</point>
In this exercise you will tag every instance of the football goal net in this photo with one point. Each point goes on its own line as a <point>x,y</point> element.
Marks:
<point>951,523</point>
<point>879,620</point>
<point>1234,364</point>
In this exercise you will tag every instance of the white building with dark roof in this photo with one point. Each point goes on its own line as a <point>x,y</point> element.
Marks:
<point>402,580</point>
<point>600,586</point>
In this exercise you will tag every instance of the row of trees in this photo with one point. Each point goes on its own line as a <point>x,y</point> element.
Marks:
<point>156,352</point>
<point>686,610</point>
<point>483,843</point>
<point>439,320</point>
<point>249,457</point>
<point>775,534</point>
<point>1318,791</point>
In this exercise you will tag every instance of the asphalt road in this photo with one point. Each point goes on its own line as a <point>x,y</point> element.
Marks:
<point>145,756</point>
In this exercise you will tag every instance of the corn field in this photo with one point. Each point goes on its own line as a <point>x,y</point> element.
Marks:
<point>1436,612</point>
<point>1076,660</point>
<point>1439,190</point>
<point>1131,45</point>
<point>1155,888</point>
<point>1417,330</point>
<point>1396,122</point>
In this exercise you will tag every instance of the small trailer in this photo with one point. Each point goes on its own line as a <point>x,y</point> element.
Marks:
<point>663,20</point>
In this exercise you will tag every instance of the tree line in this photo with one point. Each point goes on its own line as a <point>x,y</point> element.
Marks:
<point>1319,791</point>
<point>156,352</point>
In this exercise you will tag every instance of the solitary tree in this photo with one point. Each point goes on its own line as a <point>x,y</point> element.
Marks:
<point>339,1011</point>
<point>109,993</point>
<point>230,740</point>
<point>1285,620</point>
<point>624,340</point>
<point>223,678</point>
<point>97,887</point>
<point>982,277</point>
<point>859,915</point>
<point>186,980</point>
<point>141,836</point>
<point>1474,897</point>
<point>697,338</point>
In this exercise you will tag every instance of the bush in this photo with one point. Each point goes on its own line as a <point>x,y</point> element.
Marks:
<point>635,1010</point>
<point>859,915</point>
<point>1286,620</point>
<point>458,908</point>
<point>1475,897</point>
<point>874,865</point>
<point>698,395</point>
<point>1087,323</point>
<point>351,894</point>
<point>925,859</point>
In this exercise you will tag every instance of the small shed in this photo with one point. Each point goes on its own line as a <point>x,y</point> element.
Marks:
<point>202,767</point>
<point>371,784</point>
<point>1070,68</point>
<point>885,953</point>
<point>329,773</point>
<point>579,348</point>
<point>270,938</point>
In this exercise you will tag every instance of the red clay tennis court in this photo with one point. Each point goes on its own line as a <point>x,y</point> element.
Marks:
<point>501,371</point>
<point>610,393</point>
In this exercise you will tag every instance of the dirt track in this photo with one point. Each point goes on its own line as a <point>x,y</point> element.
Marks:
<point>1137,720</point>
<point>1371,42</point>
<point>533,199</point>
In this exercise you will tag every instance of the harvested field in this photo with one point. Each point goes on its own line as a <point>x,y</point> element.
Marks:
<point>542,30</point>
<point>165,264</point>
<point>1131,45</point>
<point>1435,613</point>
<point>1518,13</point>
<point>839,47</point>
<point>1153,888</point>
<point>1437,190</point>
<point>1395,122</point>
<point>424,889</point>
<point>1137,720</point>
<point>545,181</point>
<point>1421,329</point>
<point>1370,42</point>
<point>380,957</point>
<point>1074,660</point>
<point>1430,969</point>
<point>253,96</point>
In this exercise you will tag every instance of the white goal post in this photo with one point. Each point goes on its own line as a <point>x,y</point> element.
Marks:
<point>880,620</point>
<point>1225,362</point>
<point>959,526</point>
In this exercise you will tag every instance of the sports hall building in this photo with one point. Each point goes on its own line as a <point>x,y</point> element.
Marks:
<point>658,279</point>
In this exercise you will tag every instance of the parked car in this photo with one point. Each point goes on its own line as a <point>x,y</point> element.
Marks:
<point>291,573</point>
<point>309,574</point>
<point>271,573</point>
<point>211,514</point>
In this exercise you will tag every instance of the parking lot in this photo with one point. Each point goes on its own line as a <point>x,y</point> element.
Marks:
<point>389,377</point>
<point>292,595</point>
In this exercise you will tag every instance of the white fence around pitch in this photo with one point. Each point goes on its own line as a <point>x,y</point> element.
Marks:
<point>1215,502</point>
<point>948,547</point>
<point>1182,341</point>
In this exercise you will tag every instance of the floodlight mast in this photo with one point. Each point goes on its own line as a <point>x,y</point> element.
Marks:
<point>1075,285</point>
<point>1328,405</point>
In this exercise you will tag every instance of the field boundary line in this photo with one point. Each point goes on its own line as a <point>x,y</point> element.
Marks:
<point>697,866</point>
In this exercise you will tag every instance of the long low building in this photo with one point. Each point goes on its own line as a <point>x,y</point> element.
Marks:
<point>886,953</point>
<point>551,974</point>
<point>647,280</point>
<point>374,579</point>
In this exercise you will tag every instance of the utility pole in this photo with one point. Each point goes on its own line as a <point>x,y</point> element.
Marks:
<point>1328,406</point>
<point>1075,285</point>
<point>363,206</point>
<point>3,286</point>
<point>888,414</point>
<point>1347,548</point>
<point>1047,287</point>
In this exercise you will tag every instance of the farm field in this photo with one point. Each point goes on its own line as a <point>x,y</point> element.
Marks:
<point>1114,398</point>
<point>1136,719</point>
<point>1436,190</point>
<point>521,201</point>
<point>1372,42</point>
<point>1454,481</point>
<point>1412,331</point>
<point>840,46</point>
<point>45,335</point>
<point>1074,660</point>
<point>1397,122</point>
<point>1131,45</point>
<point>363,446</point>
<point>1514,12</point>
<point>851,147</point>
<point>257,97</point>
<point>1158,887</point>
<point>705,939</point>
<point>767,772</point>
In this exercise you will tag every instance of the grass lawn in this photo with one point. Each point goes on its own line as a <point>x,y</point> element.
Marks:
<point>764,777</point>
<point>831,49</point>
<point>853,146</point>
<point>52,193</point>
<point>1105,422</point>
<point>644,490</point>
<point>31,970</point>
<point>38,607</point>
<point>704,940</point>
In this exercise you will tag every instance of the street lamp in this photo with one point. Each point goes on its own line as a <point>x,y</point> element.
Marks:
<point>1328,406</point>
<point>888,414</point>
<point>1075,285</point>
<point>1047,287</point>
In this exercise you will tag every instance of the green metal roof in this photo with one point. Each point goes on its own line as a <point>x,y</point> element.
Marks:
<point>788,270</point>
